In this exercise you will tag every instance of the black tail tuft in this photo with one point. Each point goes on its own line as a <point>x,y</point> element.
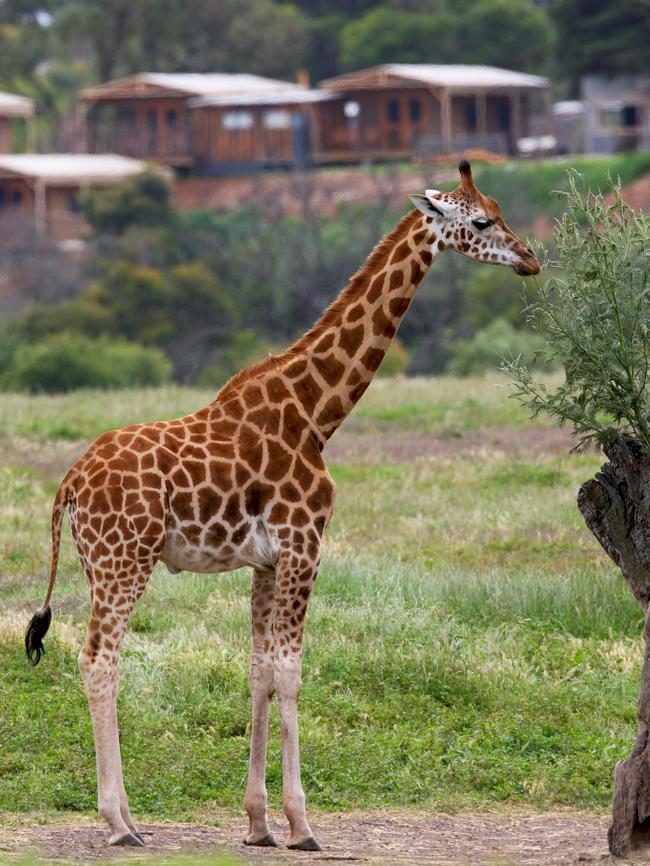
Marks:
<point>36,631</point>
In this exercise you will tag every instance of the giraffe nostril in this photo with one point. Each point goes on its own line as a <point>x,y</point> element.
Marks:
<point>528,250</point>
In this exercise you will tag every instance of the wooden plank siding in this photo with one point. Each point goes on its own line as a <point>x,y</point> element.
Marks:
<point>144,128</point>
<point>225,137</point>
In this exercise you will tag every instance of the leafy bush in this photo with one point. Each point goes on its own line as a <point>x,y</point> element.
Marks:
<point>64,362</point>
<point>491,345</point>
<point>241,350</point>
<point>395,361</point>
<point>143,200</point>
<point>597,318</point>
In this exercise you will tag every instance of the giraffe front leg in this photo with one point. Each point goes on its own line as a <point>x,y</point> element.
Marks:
<point>291,598</point>
<point>262,687</point>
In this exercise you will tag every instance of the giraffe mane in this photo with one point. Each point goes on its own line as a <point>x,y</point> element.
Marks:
<point>354,289</point>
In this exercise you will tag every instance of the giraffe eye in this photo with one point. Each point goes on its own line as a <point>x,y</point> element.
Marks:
<point>482,223</point>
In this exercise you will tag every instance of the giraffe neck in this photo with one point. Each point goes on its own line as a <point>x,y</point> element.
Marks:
<point>333,364</point>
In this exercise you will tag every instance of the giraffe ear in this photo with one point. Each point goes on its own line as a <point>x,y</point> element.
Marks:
<point>430,206</point>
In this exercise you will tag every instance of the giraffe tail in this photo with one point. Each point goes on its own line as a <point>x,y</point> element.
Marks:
<point>40,622</point>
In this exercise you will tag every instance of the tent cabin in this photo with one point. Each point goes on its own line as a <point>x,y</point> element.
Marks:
<point>43,189</point>
<point>405,110</point>
<point>12,107</point>
<point>239,132</point>
<point>147,116</point>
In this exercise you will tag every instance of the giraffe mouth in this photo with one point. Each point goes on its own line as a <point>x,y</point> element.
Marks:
<point>528,266</point>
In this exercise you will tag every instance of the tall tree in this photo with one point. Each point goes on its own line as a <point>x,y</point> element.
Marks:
<point>513,34</point>
<point>604,36</point>
<point>388,35</point>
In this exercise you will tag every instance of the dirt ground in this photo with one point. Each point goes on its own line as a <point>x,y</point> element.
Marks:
<point>379,839</point>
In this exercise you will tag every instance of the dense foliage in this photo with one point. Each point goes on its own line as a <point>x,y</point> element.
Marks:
<point>596,315</point>
<point>216,291</point>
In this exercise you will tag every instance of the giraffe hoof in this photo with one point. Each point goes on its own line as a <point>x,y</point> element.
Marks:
<point>308,844</point>
<point>134,840</point>
<point>139,836</point>
<point>264,842</point>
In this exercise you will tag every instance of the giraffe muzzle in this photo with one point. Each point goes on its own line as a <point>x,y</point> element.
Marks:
<point>528,266</point>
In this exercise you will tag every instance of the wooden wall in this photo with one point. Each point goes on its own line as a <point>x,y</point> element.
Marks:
<point>225,136</point>
<point>144,128</point>
<point>15,194</point>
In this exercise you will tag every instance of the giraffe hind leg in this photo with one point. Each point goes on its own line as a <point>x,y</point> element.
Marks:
<point>262,687</point>
<point>99,666</point>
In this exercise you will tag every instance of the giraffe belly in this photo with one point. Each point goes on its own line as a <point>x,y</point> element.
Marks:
<point>183,554</point>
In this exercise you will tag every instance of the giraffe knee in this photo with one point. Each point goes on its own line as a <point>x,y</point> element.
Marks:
<point>287,678</point>
<point>262,679</point>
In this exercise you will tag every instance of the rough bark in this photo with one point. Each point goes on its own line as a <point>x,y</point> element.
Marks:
<point>616,508</point>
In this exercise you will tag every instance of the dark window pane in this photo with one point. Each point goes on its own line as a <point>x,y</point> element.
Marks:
<point>2,197</point>
<point>73,202</point>
<point>152,119</point>
<point>630,115</point>
<point>393,110</point>
<point>470,114</point>
<point>415,110</point>
<point>17,197</point>
<point>172,120</point>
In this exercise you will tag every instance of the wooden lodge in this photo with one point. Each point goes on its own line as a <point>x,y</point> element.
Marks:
<point>43,190</point>
<point>14,107</point>
<point>149,116</point>
<point>242,132</point>
<point>218,123</point>
<point>401,111</point>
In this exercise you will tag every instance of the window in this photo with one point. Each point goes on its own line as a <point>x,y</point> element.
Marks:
<point>2,198</point>
<point>351,110</point>
<point>17,197</point>
<point>277,119</point>
<point>616,115</point>
<point>236,120</point>
<point>415,110</point>
<point>152,119</point>
<point>393,110</point>
<point>172,120</point>
<point>470,116</point>
<point>74,205</point>
<point>630,115</point>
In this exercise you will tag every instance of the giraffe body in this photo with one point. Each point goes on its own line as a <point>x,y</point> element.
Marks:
<point>242,482</point>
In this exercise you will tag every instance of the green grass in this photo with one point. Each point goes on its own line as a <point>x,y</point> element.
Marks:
<point>468,644</point>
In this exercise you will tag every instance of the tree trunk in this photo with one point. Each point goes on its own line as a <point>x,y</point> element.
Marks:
<point>616,508</point>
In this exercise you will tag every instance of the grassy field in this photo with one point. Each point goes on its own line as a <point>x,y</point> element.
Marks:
<point>468,645</point>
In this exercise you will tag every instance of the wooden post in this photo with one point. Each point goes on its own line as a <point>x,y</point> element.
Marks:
<point>481,118</point>
<point>445,117</point>
<point>40,207</point>
<point>31,134</point>
<point>515,121</point>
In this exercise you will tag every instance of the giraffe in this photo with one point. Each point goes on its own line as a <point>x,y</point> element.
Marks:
<point>242,482</point>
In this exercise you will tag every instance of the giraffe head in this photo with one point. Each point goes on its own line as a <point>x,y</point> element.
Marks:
<point>471,223</point>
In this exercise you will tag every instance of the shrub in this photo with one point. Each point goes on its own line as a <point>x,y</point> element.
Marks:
<point>491,345</point>
<point>395,361</point>
<point>66,361</point>
<point>597,318</point>
<point>141,200</point>
<point>241,350</point>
